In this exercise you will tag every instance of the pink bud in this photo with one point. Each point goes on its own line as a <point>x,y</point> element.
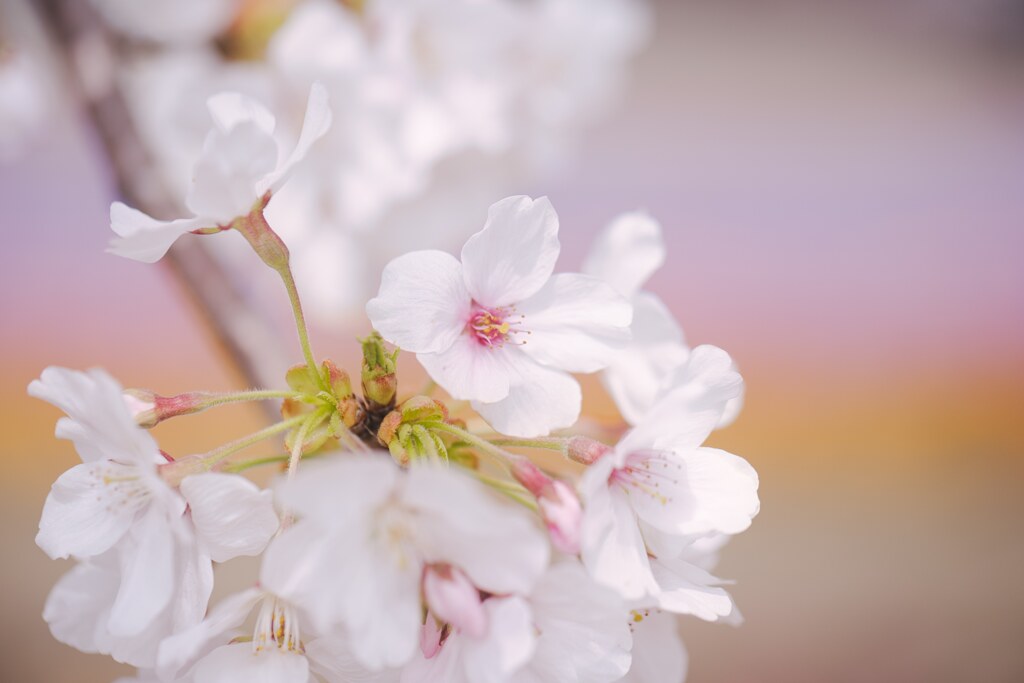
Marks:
<point>587,451</point>
<point>430,637</point>
<point>142,405</point>
<point>563,515</point>
<point>559,505</point>
<point>454,599</point>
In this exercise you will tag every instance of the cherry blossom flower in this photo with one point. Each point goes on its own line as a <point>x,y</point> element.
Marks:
<point>568,629</point>
<point>282,648</point>
<point>659,486</point>
<point>366,533</point>
<point>498,328</point>
<point>625,255</point>
<point>151,571</point>
<point>240,168</point>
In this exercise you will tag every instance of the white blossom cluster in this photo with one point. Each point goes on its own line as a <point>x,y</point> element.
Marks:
<point>434,100</point>
<point>399,543</point>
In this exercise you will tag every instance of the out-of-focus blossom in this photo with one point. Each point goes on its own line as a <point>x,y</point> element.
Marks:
<point>282,648</point>
<point>498,328</point>
<point>23,101</point>
<point>658,653</point>
<point>241,165</point>
<point>567,629</point>
<point>625,255</point>
<point>169,21</point>
<point>367,530</point>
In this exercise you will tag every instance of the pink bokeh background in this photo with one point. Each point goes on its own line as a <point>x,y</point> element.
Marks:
<point>842,191</point>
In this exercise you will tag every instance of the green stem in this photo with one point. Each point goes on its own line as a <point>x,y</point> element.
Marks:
<point>242,465</point>
<point>505,457</point>
<point>510,489</point>
<point>548,443</point>
<point>300,323</point>
<point>213,400</point>
<point>311,421</point>
<point>218,454</point>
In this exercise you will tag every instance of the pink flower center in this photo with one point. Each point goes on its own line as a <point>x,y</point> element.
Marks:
<point>645,472</point>
<point>492,327</point>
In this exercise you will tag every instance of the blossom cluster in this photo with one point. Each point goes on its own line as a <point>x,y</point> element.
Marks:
<point>409,537</point>
<point>433,99</point>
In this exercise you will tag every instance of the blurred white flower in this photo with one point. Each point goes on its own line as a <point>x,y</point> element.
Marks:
<point>366,533</point>
<point>24,99</point>
<point>658,652</point>
<point>498,328</point>
<point>625,255</point>
<point>169,21</point>
<point>282,649</point>
<point>240,166</point>
<point>567,629</point>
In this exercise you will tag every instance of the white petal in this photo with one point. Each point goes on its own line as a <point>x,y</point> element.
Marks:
<point>470,371</point>
<point>178,652</point>
<point>584,633</point>
<point>332,659</point>
<point>229,109</point>
<point>423,305</point>
<point>698,491</point>
<point>77,603</point>
<point>635,377</point>
<point>98,420</point>
<point>514,255</point>
<point>224,179</point>
<point>143,238</point>
<point>498,545</point>
<point>613,551</point>
<point>694,404</point>
<point>658,652</point>
<point>576,323</point>
<point>89,509</point>
<point>686,589</point>
<point>539,401</point>
<point>239,664</point>
<point>147,576</point>
<point>314,127</point>
<point>627,252</point>
<point>510,642</point>
<point>232,516</point>
<point>340,488</point>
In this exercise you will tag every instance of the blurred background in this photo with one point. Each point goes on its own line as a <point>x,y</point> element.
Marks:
<point>841,186</point>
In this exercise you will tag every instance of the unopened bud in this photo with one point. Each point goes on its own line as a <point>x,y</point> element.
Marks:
<point>300,379</point>
<point>338,380</point>
<point>380,383</point>
<point>586,451</point>
<point>453,598</point>
<point>559,505</point>
<point>142,405</point>
<point>150,409</point>
<point>175,471</point>
<point>423,409</point>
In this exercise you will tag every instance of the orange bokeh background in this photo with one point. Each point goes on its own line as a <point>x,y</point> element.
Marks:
<point>842,190</point>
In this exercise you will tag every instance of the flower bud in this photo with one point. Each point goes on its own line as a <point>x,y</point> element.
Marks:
<point>380,384</point>
<point>338,380</point>
<point>149,409</point>
<point>586,451</point>
<point>559,505</point>
<point>423,409</point>
<point>453,598</point>
<point>142,405</point>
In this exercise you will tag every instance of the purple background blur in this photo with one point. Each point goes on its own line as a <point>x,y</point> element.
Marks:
<point>842,190</point>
